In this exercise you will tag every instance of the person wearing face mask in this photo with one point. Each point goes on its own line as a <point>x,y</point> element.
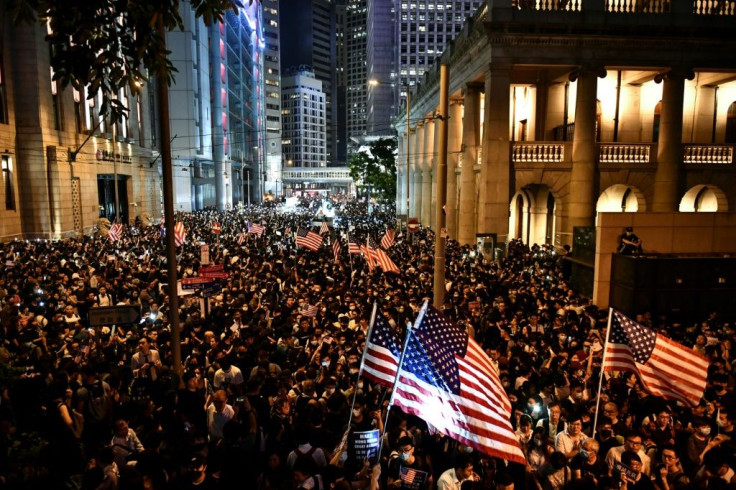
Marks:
<point>524,433</point>
<point>409,457</point>
<point>700,442</point>
<point>586,465</point>
<point>605,436</point>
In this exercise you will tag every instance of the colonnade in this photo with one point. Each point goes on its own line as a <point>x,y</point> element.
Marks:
<point>481,177</point>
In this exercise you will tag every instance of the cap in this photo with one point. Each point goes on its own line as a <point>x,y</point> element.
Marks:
<point>629,228</point>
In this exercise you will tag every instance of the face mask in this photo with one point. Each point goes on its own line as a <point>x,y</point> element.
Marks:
<point>704,431</point>
<point>467,449</point>
<point>525,437</point>
<point>356,413</point>
<point>405,456</point>
<point>538,442</point>
<point>606,433</point>
<point>584,454</point>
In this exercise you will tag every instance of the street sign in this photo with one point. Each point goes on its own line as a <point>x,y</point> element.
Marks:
<point>194,282</point>
<point>214,275</point>
<point>112,315</point>
<point>211,268</point>
<point>413,225</point>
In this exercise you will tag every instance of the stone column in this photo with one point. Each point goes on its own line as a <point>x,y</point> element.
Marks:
<point>454,146</point>
<point>581,197</point>
<point>417,148</point>
<point>496,171</point>
<point>429,158</point>
<point>669,146</point>
<point>470,141</point>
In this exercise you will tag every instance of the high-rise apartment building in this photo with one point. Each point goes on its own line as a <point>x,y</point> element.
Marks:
<point>272,95</point>
<point>404,38</point>
<point>308,44</point>
<point>304,116</point>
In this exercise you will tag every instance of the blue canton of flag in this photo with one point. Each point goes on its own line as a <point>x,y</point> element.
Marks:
<point>443,341</point>
<point>382,352</point>
<point>640,339</point>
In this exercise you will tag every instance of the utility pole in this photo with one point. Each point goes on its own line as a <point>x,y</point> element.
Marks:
<point>168,181</point>
<point>439,242</point>
<point>115,169</point>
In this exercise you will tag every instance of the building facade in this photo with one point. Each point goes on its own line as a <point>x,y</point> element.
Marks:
<point>63,166</point>
<point>547,128</point>
<point>272,95</point>
<point>304,108</point>
<point>404,39</point>
<point>217,110</point>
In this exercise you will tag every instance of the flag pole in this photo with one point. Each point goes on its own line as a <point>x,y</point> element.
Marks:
<point>362,360</point>
<point>398,371</point>
<point>600,381</point>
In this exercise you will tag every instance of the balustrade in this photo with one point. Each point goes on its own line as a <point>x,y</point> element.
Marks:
<point>708,154</point>
<point>624,153</point>
<point>538,153</point>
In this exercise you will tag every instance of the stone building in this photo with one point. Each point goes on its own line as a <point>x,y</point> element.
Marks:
<point>60,160</point>
<point>560,110</point>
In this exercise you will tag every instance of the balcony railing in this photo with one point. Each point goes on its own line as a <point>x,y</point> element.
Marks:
<point>708,154</point>
<point>540,152</point>
<point>624,153</point>
<point>638,6</point>
<point>699,7</point>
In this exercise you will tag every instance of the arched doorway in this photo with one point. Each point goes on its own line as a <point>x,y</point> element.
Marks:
<point>655,121</point>
<point>731,124</point>
<point>532,215</point>
<point>620,198</point>
<point>704,199</point>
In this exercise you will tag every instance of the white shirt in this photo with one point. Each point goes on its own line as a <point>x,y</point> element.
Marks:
<point>216,421</point>
<point>448,481</point>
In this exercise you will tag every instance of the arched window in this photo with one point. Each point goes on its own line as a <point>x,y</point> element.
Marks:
<point>655,122</point>
<point>731,124</point>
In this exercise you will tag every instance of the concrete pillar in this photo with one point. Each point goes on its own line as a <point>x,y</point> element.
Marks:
<point>454,146</point>
<point>429,158</point>
<point>669,146</point>
<point>496,171</point>
<point>581,198</point>
<point>470,141</point>
<point>416,158</point>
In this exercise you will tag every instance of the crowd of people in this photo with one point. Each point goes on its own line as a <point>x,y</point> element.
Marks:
<point>270,387</point>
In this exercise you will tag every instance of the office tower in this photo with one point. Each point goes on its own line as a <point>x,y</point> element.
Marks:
<point>356,81</point>
<point>304,109</point>
<point>272,96</point>
<point>308,44</point>
<point>404,38</point>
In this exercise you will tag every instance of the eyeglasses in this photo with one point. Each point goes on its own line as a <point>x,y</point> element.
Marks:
<point>633,443</point>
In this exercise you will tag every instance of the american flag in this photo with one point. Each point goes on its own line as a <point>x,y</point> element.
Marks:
<point>447,380</point>
<point>324,229</point>
<point>309,310</point>
<point>180,234</point>
<point>256,229</point>
<point>411,478</point>
<point>336,249</point>
<point>115,232</point>
<point>382,352</point>
<point>666,368</point>
<point>308,239</point>
<point>353,247</point>
<point>388,239</point>
<point>241,238</point>
<point>385,262</point>
<point>369,253</point>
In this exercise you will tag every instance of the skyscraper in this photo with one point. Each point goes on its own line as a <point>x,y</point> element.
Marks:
<point>304,107</point>
<point>404,38</point>
<point>356,81</point>
<point>272,95</point>
<point>308,44</point>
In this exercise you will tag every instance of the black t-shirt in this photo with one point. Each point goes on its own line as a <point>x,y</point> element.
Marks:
<point>419,463</point>
<point>596,470</point>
